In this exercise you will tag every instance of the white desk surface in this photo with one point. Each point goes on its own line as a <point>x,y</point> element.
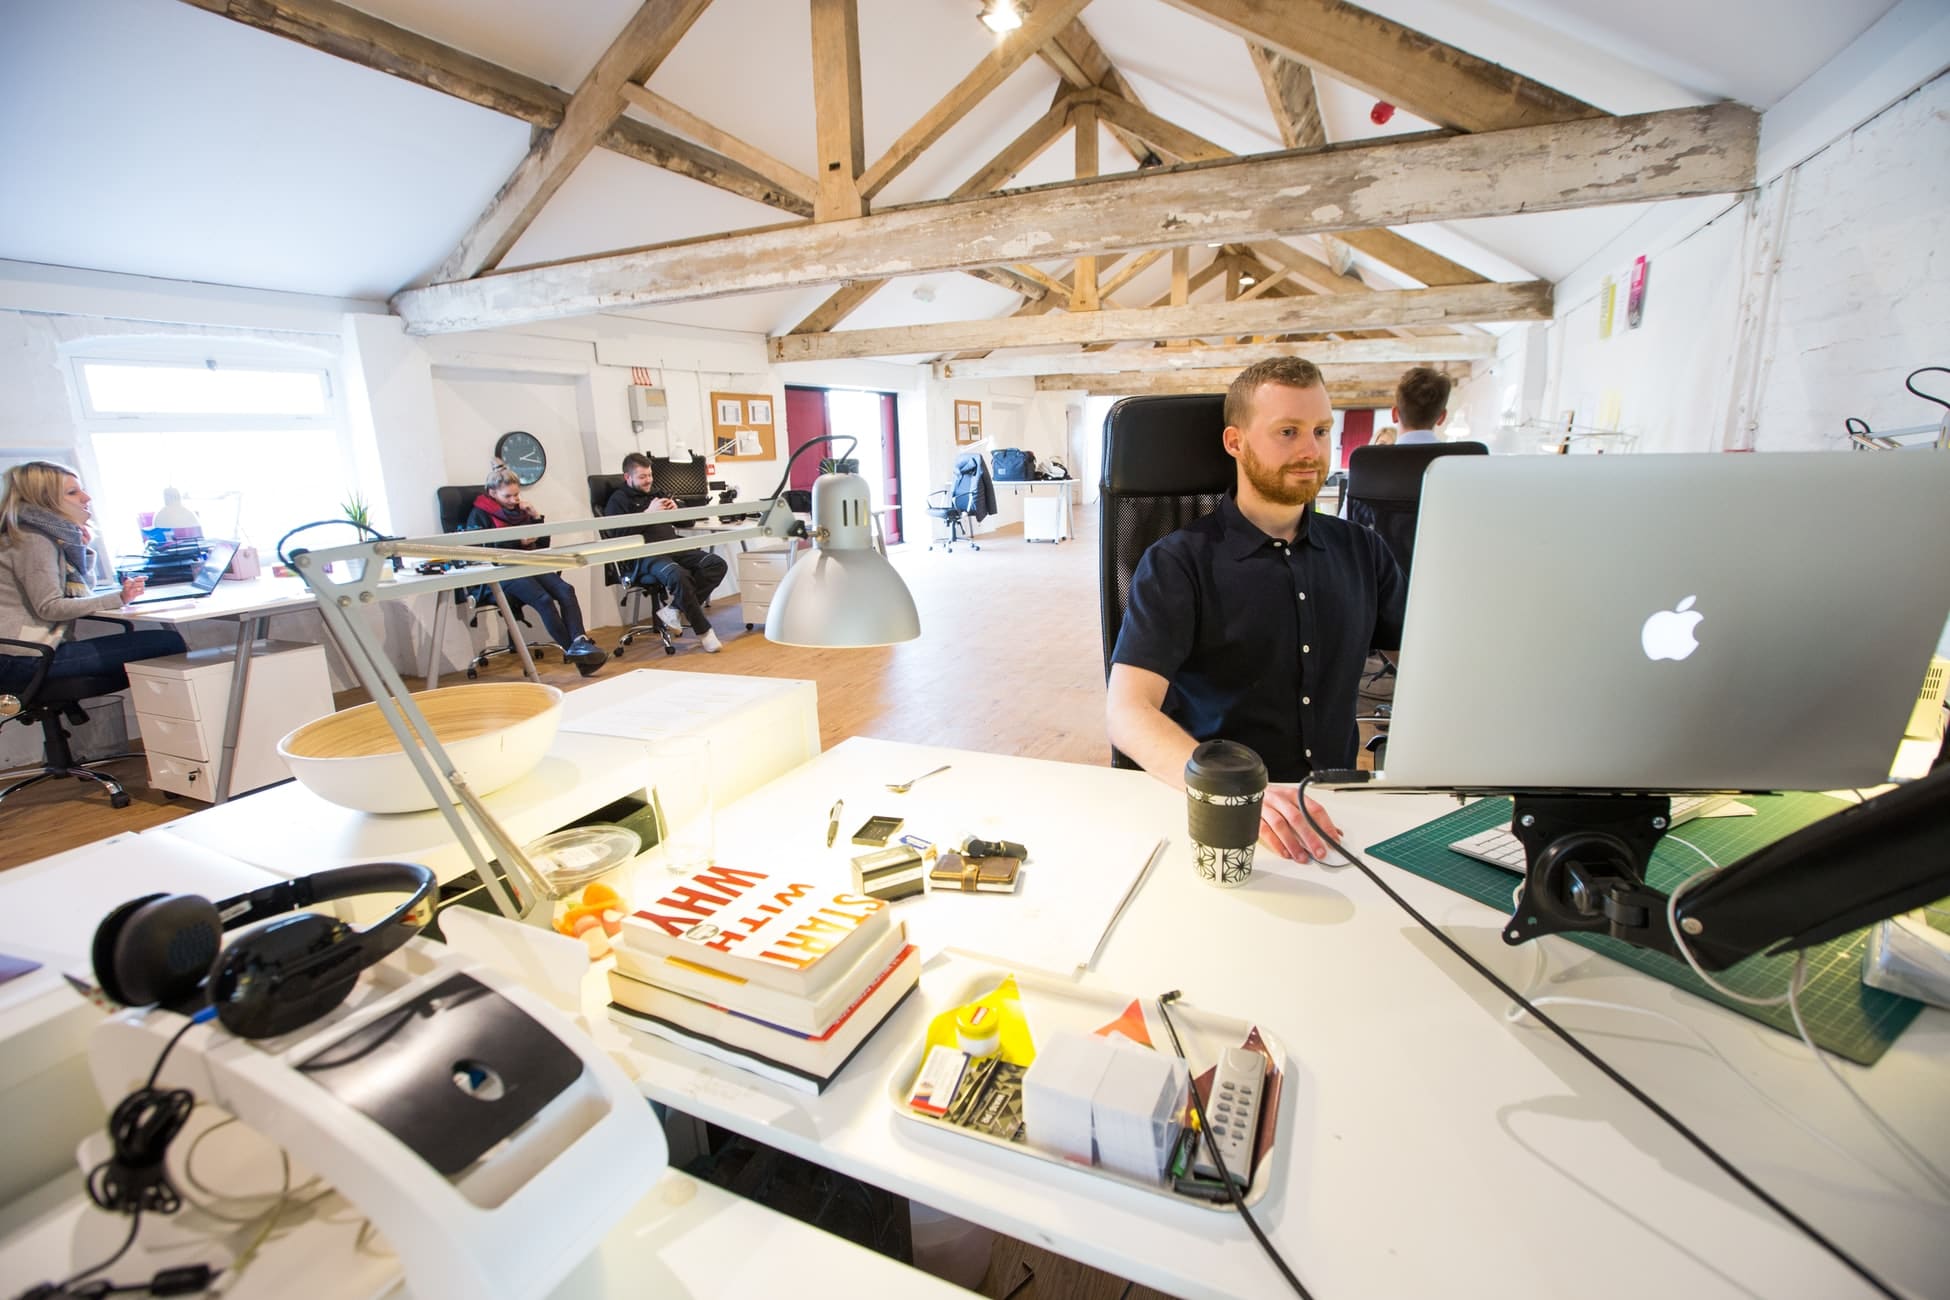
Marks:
<point>262,596</point>
<point>1432,1147</point>
<point>686,1238</point>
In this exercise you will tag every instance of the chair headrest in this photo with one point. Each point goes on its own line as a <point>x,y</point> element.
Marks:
<point>1167,446</point>
<point>1395,473</point>
<point>453,503</point>
<point>601,488</point>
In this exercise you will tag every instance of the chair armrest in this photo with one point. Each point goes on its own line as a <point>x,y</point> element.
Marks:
<point>46,652</point>
<point>122,623</point>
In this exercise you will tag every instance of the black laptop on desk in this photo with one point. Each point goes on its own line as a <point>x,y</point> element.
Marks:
<point>215,561</point>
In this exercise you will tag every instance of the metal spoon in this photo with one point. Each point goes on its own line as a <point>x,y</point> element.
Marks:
<point>904,786</point>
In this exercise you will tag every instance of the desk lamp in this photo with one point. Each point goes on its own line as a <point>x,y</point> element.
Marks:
<point>845,594</point>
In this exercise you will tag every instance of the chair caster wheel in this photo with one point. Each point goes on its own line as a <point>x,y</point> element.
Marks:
<point>670,649</point>
<point>748,627</point>
<point>118,801</point>
<point>617,653</point>
<point>169,796</point>
<point>473,673</point>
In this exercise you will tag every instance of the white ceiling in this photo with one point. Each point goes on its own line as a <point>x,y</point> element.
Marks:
<point>148,136</point>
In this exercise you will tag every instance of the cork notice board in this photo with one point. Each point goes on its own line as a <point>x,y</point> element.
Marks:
<point>742,426</point>
<point>968,422</point>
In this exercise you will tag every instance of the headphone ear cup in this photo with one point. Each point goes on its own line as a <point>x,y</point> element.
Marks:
<point>158,950</point>
<point>286,974</point>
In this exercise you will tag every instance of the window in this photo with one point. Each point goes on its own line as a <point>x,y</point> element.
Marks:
<point>254,443</point>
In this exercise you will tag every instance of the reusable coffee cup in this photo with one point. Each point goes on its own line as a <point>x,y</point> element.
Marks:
<point>1225,782</point>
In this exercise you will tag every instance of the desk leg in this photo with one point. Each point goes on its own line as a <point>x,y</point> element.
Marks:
<point>514,632</point>
<point>248,631</point>
<point>440,600</point>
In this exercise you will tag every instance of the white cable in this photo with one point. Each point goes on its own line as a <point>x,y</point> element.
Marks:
<point>1914,1158</point>
<point>1679,939</point>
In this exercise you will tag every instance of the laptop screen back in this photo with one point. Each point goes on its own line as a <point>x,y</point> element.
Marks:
<point>1737,622</point>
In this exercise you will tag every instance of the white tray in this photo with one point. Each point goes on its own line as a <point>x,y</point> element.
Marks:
<point>1052,1006</point>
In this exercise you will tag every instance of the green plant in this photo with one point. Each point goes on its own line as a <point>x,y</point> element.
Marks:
<point>357,510</point>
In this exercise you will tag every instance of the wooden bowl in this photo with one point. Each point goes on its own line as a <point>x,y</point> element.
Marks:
<point>495,732</point>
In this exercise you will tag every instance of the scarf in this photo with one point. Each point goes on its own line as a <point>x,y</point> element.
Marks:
<point>67,538</point>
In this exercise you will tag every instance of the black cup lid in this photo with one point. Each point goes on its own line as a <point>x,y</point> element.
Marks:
<point>1225,767</point>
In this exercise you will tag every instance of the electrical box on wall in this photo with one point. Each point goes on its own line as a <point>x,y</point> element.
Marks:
<point>649,411</point>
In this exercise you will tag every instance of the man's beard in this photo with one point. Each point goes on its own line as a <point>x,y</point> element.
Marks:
<point>1273,483</point>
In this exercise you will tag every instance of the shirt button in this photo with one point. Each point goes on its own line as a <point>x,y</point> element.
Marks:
<point>1303,595</point>
<point>1306,699</point>
<point>1310,753</point>
<point>1306,649</point>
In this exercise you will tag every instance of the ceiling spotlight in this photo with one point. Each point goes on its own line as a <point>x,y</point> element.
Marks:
<point>1246,281</point>
<point>1001,16</point>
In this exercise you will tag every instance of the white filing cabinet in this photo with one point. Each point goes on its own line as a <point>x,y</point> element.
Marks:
<point>759,574</point>
<point>180,702</point>
<point>1046,510</point>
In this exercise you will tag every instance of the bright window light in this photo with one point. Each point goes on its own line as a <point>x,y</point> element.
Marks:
<point>125,388</point>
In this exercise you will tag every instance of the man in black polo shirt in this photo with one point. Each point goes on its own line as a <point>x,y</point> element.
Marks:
<point>1254,623</point>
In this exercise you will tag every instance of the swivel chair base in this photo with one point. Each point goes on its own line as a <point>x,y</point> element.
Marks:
<point>81,771</point>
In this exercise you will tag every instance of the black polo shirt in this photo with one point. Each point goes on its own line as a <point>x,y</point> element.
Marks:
<point>1264,642</point>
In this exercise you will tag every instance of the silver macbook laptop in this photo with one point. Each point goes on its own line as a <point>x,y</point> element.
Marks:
<point>1703,622</point>
<point>208,574</point>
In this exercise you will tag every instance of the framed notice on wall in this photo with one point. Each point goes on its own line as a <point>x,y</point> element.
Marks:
<point>741,426</point>
<point>968,422</point>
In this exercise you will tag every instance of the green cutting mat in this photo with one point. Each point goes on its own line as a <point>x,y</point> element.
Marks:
<point>1844,1015</point>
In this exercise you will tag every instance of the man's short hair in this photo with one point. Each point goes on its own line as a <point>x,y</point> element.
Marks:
<point>635,460</point>
<point>1294,372</point>
<point>1422,397</point>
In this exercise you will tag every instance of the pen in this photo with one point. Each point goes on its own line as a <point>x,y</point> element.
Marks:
<point>833,822</point>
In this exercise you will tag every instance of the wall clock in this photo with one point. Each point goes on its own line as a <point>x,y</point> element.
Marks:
<point>522,452</point>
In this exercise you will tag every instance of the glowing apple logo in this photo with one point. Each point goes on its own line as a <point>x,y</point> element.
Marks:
<point>1668,634</point>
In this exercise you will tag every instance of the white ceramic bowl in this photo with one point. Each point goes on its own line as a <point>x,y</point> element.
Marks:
<point>494,731</point>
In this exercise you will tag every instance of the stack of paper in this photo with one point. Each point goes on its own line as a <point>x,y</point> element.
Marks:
<point>1059,1092</point>
<point>1134,1114</point>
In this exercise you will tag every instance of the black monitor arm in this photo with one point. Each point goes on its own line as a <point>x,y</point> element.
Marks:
<point>1586,858</point>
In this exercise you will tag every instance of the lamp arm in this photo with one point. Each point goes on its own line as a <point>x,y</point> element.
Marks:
<point>1878,859</point>
<point>815,440</point>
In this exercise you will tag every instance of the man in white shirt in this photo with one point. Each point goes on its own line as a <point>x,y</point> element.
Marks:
<point>1421,405</point>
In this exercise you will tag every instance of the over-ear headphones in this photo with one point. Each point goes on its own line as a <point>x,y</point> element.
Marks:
<point>167,949</point>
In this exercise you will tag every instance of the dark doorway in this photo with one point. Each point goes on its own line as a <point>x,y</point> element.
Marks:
<point>868,416</point>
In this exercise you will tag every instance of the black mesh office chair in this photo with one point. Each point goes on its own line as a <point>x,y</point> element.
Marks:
<point>45,702</point>
<point>1164,466</point>
<point>1384,492</point>
<point>959,502</point>
<point>636,588</point>
<point>454,503</point>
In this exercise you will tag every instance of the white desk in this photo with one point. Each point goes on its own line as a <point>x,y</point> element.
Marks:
<point>251,604</point>
<point>764,727</point>
<point>1434,1149</point>
<point>1046,507</point>
<point>686,1238</point>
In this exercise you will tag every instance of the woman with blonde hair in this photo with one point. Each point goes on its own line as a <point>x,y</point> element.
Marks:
<point>45,563</point>
<point>1387,436</point>
<point>500,506</point>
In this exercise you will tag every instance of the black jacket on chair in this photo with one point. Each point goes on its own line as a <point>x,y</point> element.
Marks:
<point>973,492</point>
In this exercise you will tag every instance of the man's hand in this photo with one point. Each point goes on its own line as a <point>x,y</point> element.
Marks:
<point>1283,830</point>
<point>661,503</point>
<point>132,587</point>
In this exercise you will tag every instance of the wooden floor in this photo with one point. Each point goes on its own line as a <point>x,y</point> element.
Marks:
<point>1009,661</point>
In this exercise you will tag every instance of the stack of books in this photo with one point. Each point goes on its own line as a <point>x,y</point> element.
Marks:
<point>785,980</point>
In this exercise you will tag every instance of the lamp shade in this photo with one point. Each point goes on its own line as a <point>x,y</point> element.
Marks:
<point>845,593</point>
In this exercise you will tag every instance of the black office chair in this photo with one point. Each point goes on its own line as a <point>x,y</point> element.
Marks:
<point>1164,466</point>
<point>454,502</point>
<point>45,701</point>
<point>1384,492</point>
<point>636,589</point>
<point>960,501</point>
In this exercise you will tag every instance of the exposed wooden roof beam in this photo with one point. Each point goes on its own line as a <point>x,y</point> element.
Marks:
<point>1708,150</point>
<point>1167,138</point>
<point>1376,390</point>
<point>1400,352</point>
<point>1128,272</point>
<point>837,113</point>
<point>786,177</point>
<point>645,41</point>
<point>1410,258</point>
<point>1432,80</point>
<point>346,33</point>
<point>1083,124</point>
<point>1010,53</point>
<point>1082,63</point>
<point>1311,314</point>
<point>1290,94</point>
<point>1016,155</point>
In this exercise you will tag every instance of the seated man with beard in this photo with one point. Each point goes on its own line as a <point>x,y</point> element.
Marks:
<point>1253,624</point>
